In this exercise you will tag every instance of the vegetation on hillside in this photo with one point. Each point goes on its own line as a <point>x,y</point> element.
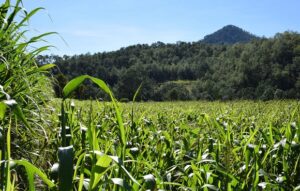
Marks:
<point>229,34</point>
<point>261,69</point>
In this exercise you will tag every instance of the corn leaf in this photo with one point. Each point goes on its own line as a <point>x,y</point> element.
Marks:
<point>31,171</point>
<point>73,85</point>
<point>2,110</point>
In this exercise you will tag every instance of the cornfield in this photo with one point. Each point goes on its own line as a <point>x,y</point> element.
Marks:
<point>65,144</point>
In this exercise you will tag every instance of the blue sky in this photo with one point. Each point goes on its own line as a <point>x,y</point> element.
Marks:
<point>106,25</point>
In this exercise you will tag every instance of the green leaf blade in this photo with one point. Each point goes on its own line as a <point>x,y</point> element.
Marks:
<point>73,85</point>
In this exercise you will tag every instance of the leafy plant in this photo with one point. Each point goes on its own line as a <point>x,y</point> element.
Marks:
<point>21,88</point>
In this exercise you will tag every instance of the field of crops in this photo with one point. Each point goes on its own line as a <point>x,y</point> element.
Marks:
<point>96,145</point>
<point>65,145</point>
<point>239,145</point>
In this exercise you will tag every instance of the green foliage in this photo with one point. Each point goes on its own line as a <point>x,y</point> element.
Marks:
<point>151,146</point>
<point>187,145</point>
<point>172,91</point>
<point>73,85</point>
<point>229,34</point>
<point>22,91</point>
<point>31,172</point>
<point>253,70</point>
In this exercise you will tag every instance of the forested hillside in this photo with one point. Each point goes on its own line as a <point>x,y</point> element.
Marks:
<point>229,34</point>
<point>260,69</point>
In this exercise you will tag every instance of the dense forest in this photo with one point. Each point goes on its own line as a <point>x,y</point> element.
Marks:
<point>255,68</point>
<point>229,34</point>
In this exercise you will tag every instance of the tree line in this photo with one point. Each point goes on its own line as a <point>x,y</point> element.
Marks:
<point>265,68</point>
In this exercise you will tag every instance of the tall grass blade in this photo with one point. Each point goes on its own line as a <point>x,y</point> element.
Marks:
<point>19,113</point>
<point>46,67</point>
<point>12,16</point>
<point>27,17</point>
<point>3,12</point>
<point>104,87</point>
<point>137,92</point>
<point>2,110</point>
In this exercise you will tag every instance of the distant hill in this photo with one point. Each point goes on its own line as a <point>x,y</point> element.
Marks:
<point>265,68</point>
<point>229,34</point>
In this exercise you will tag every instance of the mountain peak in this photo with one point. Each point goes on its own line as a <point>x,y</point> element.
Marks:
<point>229,34</point>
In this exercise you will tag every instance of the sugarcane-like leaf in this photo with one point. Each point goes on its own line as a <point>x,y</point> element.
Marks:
<point>2,110</point>
<point>73,85</point>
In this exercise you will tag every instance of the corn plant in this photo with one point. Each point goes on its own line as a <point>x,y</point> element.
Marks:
<point>90,157</point>
<point>201,146</point>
